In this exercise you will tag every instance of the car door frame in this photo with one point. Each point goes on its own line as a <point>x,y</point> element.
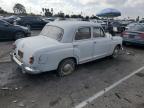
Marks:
<point>74,42</point>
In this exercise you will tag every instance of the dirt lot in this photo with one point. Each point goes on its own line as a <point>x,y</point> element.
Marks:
<point>49,91</point>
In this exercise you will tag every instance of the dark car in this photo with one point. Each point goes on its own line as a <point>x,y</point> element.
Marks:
<point>134,35</point>
<point>12,32</point>
<point>32,22</point>
<point>10,19</point>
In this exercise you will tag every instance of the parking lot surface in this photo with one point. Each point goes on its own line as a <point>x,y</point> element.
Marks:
<point>47,90</point>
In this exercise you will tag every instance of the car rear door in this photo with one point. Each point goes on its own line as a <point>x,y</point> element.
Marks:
<point>83,44</point>
<point>102,44</point>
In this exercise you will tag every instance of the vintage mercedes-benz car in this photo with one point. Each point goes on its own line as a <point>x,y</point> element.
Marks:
<point>63,45</point>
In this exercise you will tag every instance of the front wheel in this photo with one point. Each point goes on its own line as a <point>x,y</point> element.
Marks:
<point>116,52</point>
<point>28,26</point>
<point>19,35</point>
<point>66,67</point>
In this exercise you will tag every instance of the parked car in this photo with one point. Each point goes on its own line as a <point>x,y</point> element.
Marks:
<point>102,23</point>
<point>1,17</point>
<point>64,44</point>
<point>142,21</point>
<point>131,25</point>
<point>118,27</point>
<point>10,19</point>
<point>97,21</point>
<point>12,32</point>
<point>32,22</point>
<point>50,19</point>
<point>134,35</point>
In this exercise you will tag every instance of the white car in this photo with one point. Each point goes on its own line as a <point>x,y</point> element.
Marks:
<point>63,45</point>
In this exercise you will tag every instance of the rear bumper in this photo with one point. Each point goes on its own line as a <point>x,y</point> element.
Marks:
<point>25,69</point>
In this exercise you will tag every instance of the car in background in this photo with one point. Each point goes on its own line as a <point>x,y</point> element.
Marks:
<point>64,44</point>
<point>117,26</point>
<point>131,25</point>
<point>97,21</point>
<point>134,35</point>
<point>126,22</point>
<point>31,22</point>
<point>12,32</point>
<point>142,21</point>
<point>1,17</point>
<point>50,19</point>
<point>10,19</point>
<point>102,23</point>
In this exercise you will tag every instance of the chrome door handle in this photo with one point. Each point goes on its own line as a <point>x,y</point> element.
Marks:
<point>95,42</point>
<point>75,45</point>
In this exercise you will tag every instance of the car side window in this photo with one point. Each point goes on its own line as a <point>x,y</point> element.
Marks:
<point>83,33</point>
<point>98,32</point>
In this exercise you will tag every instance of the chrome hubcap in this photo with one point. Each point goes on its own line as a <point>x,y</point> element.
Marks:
<point>67,68</point>
<point>116,52</point>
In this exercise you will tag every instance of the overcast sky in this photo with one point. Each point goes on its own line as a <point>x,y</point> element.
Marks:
<point>132,8</point>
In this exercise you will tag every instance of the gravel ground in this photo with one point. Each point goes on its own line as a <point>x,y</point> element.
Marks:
<point>46,90</point>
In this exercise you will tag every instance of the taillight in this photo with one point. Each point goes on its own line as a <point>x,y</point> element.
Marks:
<point>13,46</point>
<point>142,35</point>
<point>31,60</point>
<point>124,34</point>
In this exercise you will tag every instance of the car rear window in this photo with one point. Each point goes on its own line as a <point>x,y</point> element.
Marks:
<point>52,32</point>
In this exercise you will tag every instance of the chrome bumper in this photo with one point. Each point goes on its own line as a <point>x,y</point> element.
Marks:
<point>25,69</point>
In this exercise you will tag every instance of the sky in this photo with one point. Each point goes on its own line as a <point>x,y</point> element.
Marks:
<point>128,8</point>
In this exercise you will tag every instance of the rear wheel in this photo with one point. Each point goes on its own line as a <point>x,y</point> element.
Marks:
<point>19,35</point>
<point>66,67</point>
<point>28,26</point>
<point>116,52</point>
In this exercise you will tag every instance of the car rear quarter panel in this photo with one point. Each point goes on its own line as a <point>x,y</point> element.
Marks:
<point>49,59</point>
<point>117,40</point>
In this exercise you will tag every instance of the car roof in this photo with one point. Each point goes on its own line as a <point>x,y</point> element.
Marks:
<point>29,16</point>
<point>72,24</point>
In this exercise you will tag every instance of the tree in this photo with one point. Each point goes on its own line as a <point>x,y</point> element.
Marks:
<point>19,9</point>
<point>47,12</point>
<point>76,16</point>
<point>52,11</point>
<point>60,14</point>
<point>2,11</point>
<point>94,17</point>
<point>43,9</point>
<point>67,16</point>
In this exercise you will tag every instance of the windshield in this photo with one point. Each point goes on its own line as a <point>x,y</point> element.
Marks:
<point>52,32</point>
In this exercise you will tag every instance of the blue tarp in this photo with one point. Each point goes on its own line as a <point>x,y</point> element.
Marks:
<point>109,12</point>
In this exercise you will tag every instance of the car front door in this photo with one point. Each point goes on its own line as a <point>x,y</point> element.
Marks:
<point>102,44</point>
<point>83,44</point>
